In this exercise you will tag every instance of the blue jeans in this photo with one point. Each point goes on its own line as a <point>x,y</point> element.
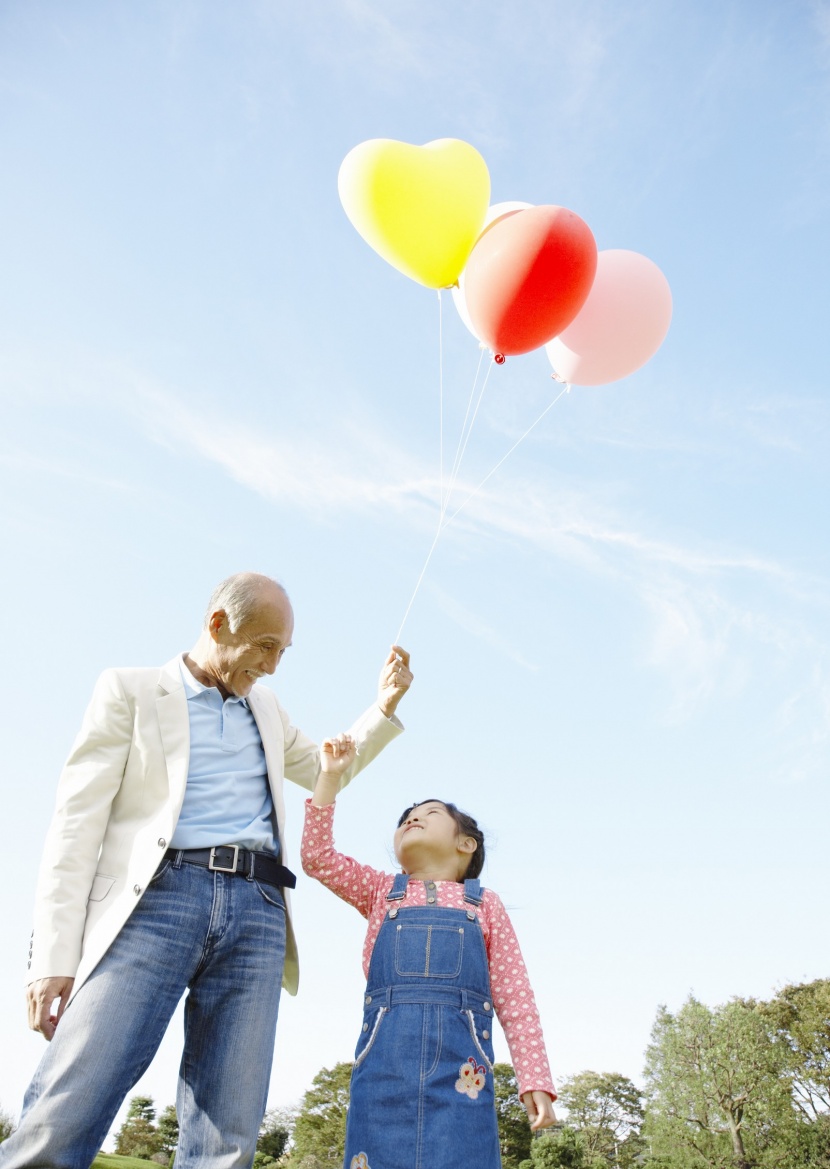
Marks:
<point>221,937</point>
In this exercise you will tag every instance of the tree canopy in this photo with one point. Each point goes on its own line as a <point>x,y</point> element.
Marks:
<point>742,1085</point>
<point>320,1127</point>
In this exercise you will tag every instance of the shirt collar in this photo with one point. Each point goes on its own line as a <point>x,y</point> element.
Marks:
<point>193,687</point>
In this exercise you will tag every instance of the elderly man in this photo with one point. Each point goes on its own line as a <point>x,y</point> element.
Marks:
<point>164,872</point>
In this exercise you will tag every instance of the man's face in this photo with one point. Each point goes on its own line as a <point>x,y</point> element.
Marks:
<point>238,659</point>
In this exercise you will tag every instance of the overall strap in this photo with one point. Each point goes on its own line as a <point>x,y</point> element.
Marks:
<point>398,890</point>
<point>473,891</point>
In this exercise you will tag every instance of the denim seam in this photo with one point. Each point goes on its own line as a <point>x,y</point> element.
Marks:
<point>439,1035</point>
<point>419,1134</point>
<point>208,943</point>
<point>266,896</point>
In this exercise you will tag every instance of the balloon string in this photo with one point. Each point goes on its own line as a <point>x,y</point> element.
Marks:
<point>445,501</point>
<point>566,389</point>
<point>469,405</point>
<point>464,425</point>
<point>397,640</point>
<point>440,398</point>
<point>462,442</point>
<point>444,524</point>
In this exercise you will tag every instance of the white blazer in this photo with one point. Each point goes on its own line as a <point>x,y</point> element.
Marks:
<point>119,798</point>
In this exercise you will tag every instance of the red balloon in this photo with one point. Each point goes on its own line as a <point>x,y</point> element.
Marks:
<point>528,276</point>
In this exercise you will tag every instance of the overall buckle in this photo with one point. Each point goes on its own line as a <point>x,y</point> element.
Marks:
<point>214,867</point>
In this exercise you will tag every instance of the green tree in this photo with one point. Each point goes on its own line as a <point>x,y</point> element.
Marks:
<point>320,1127</point>
<point>138,1135</point>
<point>717,1095</point>
<point>562,1149</point>
<point>514,1128</point>
<point>6,1125</point>
<point>607,1109</point>
<point>274,1134</point>
<point>799,1018</point>
<point>168,1130</point>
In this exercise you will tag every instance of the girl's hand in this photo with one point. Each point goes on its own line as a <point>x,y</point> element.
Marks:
<point>337,755</point>
<point>539,1108</point>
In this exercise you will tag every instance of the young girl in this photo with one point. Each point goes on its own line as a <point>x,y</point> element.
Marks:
<point>440,955</point>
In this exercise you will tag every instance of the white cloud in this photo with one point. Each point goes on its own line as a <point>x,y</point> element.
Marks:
<point>362,469</point>
<point>24,463</point>
<point>704,631</point>
<point>347,472</point>
<point>479,629</point>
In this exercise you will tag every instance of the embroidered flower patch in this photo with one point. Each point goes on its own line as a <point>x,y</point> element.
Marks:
<point>472,1077</point>
<point>360,1162</point>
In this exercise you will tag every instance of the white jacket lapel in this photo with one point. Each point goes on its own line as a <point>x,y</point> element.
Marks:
<point>264,709</point>
<point>269,723</point>
<point>174,725</point>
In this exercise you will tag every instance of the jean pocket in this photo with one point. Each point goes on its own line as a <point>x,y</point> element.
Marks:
<point>272,894</point>
<point>161,870</point>
<point>371,1026</point>
<point>101,886</point>
<point>481,1033</point>
<point>428,951</point>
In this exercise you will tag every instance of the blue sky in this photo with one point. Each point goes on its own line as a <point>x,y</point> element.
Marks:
<point>621,646</point>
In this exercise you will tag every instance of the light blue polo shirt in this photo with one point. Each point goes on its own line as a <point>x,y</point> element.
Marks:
<point>227,799</point>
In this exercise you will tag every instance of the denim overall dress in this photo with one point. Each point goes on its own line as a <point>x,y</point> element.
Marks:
<point>422,1083</point>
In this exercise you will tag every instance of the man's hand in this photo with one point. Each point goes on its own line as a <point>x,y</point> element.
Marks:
<point>337,755</point>
<point>40,997</point>
<point>395,680</point>
<point>539,1108</point>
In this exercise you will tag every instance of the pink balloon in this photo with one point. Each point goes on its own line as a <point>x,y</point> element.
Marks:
<point>621,324</point>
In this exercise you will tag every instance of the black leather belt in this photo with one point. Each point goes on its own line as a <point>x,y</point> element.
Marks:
<point>229,858</point>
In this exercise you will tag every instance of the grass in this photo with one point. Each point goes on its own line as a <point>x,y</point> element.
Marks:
<point>111,1161</point>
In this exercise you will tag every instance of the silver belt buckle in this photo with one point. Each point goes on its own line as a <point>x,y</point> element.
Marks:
<point>214,868</point>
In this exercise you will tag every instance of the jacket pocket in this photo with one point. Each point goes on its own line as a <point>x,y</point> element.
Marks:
<point>101,886</point>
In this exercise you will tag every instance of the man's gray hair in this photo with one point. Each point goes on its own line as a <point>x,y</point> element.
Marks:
<point>239,595</point>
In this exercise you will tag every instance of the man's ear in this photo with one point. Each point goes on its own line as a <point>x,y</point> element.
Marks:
<point>218,622</point>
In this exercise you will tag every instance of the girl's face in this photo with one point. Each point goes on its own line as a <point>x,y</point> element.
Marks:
<point>430,831</point>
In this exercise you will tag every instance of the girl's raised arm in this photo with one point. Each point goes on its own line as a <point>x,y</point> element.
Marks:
<point>336,756</point>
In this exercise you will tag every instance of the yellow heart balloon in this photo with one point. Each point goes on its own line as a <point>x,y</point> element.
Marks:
<point>420,207</point>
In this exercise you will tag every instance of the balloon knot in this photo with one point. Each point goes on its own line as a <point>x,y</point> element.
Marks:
<point>558,378</point>
<point>499,358</point>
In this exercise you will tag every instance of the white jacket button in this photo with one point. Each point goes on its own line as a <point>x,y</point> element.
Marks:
<point>162,842</point>
<point>136,889</point>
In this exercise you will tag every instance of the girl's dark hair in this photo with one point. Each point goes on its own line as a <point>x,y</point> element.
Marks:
<point>466,827</point>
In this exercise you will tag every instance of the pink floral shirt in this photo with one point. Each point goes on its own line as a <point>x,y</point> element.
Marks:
<point>365,888</point>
